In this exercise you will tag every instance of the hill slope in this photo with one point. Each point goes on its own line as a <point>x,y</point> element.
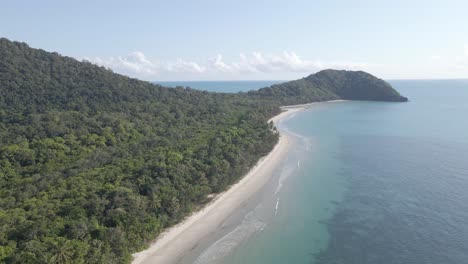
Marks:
<point>93,164</point>
<point>331,85</point>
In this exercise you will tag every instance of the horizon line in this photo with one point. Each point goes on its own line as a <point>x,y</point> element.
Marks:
<point>285,80</point>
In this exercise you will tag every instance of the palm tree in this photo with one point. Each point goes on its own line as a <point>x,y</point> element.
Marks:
<point>62,252</point>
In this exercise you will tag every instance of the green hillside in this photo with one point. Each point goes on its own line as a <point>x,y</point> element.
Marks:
<point>331,85</point>
<point>93,165</point>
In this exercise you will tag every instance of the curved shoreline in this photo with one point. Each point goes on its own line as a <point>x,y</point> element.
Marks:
<point>176,241</point>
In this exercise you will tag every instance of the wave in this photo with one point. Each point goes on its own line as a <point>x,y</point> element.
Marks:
<point>306,142</point>
<point>252,223</point>
<point>276,206</point>
<point>286,172</point>
<point>224,246</point>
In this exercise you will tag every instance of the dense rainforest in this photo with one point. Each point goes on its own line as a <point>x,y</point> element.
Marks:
<point>94,165</point>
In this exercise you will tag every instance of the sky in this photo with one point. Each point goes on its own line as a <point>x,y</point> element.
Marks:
<point>247,39</point>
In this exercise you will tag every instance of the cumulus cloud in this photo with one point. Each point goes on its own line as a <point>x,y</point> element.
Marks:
<point>136,63</point>
<point>183,66</point>
<point>284,62</point>
<point>220,65</point>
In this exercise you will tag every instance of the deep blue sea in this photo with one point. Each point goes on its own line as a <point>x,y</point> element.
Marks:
<point>365,183</point>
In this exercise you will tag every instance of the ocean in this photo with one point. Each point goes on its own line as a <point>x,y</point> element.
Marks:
<point>365,183</point>
<point>221,86</point>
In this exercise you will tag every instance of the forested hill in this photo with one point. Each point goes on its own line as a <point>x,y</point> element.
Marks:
<point>33,80</point>
<point>331,85</point>
<point>94,165</point>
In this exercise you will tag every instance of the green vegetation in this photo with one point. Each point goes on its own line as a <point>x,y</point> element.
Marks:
<point>93,164</point>
<point>330,85</point>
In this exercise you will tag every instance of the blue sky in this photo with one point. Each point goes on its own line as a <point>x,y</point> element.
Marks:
<point>246,40</point>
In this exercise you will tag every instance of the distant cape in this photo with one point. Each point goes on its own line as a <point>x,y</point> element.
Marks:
<point>331,85</point>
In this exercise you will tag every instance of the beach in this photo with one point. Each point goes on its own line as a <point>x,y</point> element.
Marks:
<point>179,240</point>
<point>172,244</point>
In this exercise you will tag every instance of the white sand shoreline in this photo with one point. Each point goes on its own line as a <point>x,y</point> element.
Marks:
<point>172,244</point>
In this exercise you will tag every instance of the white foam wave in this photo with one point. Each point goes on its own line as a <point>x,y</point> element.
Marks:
<point>224,246</point>
<point>285,173</point>
<point>306,141</point>
<point>277,206</point>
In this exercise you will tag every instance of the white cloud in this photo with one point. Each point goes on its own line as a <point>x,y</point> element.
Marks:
<point>220,65</point>
<point>138,65</point>
<point>466,50</point>
<point>138,62</point>
<point>182,66</point>
<point>135,62</point>
<point>284,62</point>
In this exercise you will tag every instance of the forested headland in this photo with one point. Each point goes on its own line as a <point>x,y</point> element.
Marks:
<point>94,165</point>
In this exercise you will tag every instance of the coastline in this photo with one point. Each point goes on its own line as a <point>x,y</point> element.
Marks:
<point>175,242</point>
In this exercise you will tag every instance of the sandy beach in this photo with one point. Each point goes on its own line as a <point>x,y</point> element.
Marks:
<point>171,245</point>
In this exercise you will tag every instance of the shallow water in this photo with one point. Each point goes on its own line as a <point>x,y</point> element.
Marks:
<point>366,182</point>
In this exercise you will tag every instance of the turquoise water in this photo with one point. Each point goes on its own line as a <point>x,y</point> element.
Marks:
<point>365,183</point>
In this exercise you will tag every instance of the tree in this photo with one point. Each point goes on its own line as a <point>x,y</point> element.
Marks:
<point>61,252</point>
